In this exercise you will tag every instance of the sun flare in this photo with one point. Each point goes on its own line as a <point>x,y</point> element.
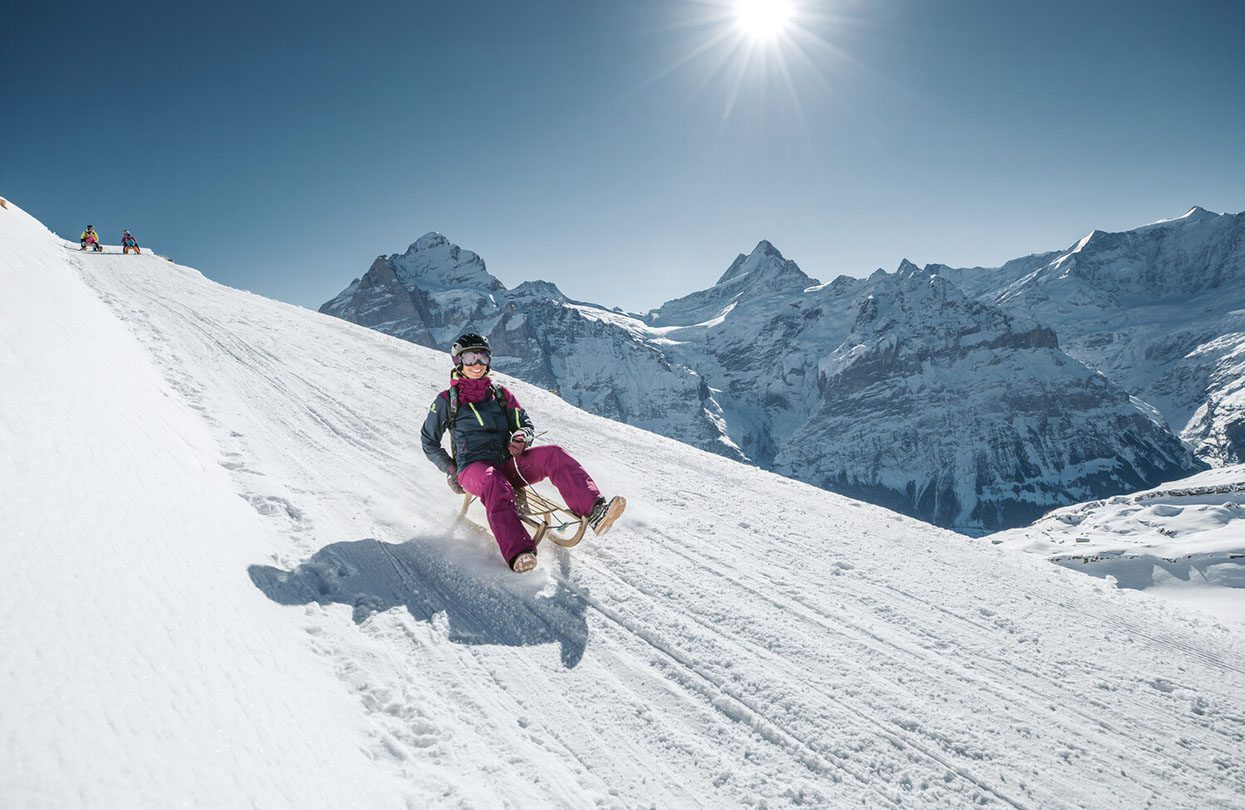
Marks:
<point>763,19</point>
<point>756,50</point>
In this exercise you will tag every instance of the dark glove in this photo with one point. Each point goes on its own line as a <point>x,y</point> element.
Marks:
<point>452,480</point>
<point>519,441</point>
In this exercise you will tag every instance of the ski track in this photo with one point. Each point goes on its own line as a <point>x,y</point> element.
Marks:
<point>861,719</point>
<point>669,669</point>
<point>898,650</point>
<point>857,621</point>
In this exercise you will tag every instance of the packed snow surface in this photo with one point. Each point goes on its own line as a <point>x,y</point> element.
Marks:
<point>232,579</point>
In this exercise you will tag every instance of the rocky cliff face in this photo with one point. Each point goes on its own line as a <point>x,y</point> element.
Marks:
<point>1160,310</point>
<point>952,411</point>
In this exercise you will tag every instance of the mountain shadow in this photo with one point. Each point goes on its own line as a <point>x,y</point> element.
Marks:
<point>426,576</point>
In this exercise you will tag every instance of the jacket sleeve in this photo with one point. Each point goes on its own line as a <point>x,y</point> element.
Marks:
<point>435,425</point>
<point>517,416</point>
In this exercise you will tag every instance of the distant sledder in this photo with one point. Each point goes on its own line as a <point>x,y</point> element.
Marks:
<point>90,238</point>
<point>128,243</point>
<point>493,460</point>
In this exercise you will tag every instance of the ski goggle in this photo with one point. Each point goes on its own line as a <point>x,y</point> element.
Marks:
<point>474,358</point>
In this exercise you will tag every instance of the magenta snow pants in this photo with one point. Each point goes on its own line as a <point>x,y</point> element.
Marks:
<point>494,483</point>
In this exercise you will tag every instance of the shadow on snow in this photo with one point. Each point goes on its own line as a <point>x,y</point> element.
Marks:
<point>483,602</point>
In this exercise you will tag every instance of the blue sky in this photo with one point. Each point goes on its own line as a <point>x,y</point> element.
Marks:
<point>606,146</point>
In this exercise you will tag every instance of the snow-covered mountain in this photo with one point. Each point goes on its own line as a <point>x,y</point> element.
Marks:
<point>436,290</point>
<point>1184,540</point>
<point>1159,309</point>
<point>771,366</point>
<point>956,412</point>
<point>232,580</point>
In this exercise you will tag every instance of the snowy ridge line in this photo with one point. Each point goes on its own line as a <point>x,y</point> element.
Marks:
<point>1191,492</point>
<point>892,650</point>
<point>1138,497</point>
<point>1126,555</point>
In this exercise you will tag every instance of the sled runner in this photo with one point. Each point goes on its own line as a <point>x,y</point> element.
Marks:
<point>544,517</point>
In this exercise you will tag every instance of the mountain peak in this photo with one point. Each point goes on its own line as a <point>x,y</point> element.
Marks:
<point>766,248</point>
<point>434,263</point>
<point>538,289</point>
<point>430,240</point>
<point>1195,214</point>
<point>764,257</point>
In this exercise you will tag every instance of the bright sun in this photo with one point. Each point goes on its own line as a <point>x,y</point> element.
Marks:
<point>763,19</point>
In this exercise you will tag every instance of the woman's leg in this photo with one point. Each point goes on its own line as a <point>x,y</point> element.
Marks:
<point>489,484</point>
<point>550,461</point>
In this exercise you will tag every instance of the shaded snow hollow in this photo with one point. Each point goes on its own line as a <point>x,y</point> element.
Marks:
<point>232,580</point>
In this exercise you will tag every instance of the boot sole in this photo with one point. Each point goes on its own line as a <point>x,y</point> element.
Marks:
<point>612,513</point>
<point>524,563</point>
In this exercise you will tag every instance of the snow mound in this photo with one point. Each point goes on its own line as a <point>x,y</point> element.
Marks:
<point>1184,540</point>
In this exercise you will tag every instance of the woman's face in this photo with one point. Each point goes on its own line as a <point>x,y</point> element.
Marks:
<point>475,372</point>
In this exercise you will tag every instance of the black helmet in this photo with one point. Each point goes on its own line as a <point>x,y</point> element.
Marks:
<point>468,342</point>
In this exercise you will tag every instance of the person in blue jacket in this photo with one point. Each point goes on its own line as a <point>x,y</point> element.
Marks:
<point>128,243</point>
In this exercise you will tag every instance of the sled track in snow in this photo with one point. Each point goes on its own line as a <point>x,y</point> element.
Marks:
<point>1140,707</point>
<point>892,730</point>
<point>415,583</point>
<point>716,694</point>
<point>713,689</point>
<point>1009,667</point>
<point>863,719</point>
<point>1039,701</point>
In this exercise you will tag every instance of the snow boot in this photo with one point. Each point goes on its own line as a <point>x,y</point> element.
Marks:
<point>604,513</point>
<point>523,562</point>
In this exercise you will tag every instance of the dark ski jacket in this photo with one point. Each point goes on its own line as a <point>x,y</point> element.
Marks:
<point>482,427</point>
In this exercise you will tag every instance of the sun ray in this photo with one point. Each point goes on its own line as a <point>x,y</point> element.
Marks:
<point>746,49</point>
<point>740,73</point>
<point>781,59</point>
<point>716,69</point>
<point>705,46</point>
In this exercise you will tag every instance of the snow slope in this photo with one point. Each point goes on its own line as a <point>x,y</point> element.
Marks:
<point>139,670</point>
<point>232,580</point>
<point>1184,540</point>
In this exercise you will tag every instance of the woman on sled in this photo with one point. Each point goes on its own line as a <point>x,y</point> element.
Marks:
<point>491,438</point>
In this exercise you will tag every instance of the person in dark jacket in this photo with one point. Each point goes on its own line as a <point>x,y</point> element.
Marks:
<point>491,438</point>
